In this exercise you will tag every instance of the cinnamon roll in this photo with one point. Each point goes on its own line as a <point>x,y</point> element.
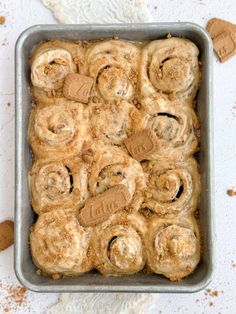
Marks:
<point>119,243</point>
<point>52,61</point>
<point>58,132</point>
<point>59,245</point>
<point>173,247</point>
<point>114,66</point>
<point>177,129</point>
<point>173,188</point>
<point>57,183</point>
<point>112,166</point>
<point>169,68</point>
<point>113,123</point>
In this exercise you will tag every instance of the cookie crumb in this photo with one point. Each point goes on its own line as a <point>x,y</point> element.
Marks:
<point>211,293</point>
<point>56,276</point>
<point>211,303</point>
<point>14,298</point>
<point>135,102</point>
<point>2,20</point>
<point>168,35</point>
<point>231,192</point>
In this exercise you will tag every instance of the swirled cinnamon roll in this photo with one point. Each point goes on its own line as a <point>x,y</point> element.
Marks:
<point>173,247</point>
<point>113,123</point>
<point>57,183</point>
<point>52,61</point>
<point>58,132</point>
<point>169,68</point>
<point>173,188</point>
<point>60,245</point>
<point>112,166</point>
<point>119,243</point>
<point>177,129</point>
<point>114,66</point>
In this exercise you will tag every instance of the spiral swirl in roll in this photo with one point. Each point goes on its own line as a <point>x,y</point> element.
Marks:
<point>59,245</point>
<point>173,188</point>
<point>51,62</point>
<point>114,66</point>
<point>170,67</point>
<point>118,244</point>
<point>58,132</point>
<point>173,247</point>
<point>53,183</point>
<point>112,166</point>
<point>177,130</point>
<point>113,123</point>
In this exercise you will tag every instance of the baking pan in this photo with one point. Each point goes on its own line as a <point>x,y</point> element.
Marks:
<point>24,216</point>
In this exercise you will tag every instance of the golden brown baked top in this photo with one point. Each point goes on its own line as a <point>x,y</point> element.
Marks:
<point>113,133</point>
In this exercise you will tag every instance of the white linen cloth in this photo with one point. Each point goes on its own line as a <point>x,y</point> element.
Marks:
<point>99,11</point>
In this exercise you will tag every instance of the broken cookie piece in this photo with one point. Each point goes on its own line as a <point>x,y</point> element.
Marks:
<point>223,34</point>
<point>225,45</point>
<point>77,87</point>
<point>6,234</point>
<point>216,26</point>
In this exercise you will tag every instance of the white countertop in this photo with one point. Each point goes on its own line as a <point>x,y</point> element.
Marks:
<point>20,14</point>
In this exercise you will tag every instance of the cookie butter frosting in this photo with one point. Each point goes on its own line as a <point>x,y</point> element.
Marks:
<point>114,132</point>
<point>59,245</point>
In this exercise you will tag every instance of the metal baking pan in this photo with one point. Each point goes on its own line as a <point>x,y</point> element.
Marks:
<point>24,216</point>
